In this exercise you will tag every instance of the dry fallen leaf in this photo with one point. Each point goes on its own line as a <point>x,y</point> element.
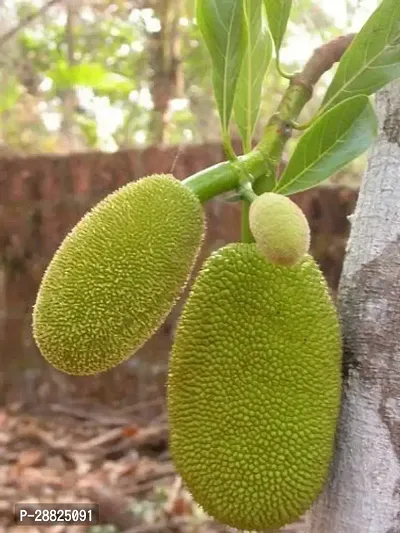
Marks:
<point>30,457</point>
<point>130,431</point>
<point>179,507</point>
<point>3,418</point>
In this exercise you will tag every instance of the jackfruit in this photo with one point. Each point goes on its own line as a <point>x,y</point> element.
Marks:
<point>280,228</point>
<point>254,387</point>
<point>117,275</point>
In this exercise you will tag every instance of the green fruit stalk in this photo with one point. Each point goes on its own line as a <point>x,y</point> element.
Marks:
<point>254,388</point>
<point>117,275</point>
<point>280,229</point>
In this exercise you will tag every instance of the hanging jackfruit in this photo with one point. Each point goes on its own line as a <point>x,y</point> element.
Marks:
<point>254,388</point>
<point>117,274</point>
<point>280,228</point>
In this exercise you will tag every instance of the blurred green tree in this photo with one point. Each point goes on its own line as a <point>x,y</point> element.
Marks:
<point>109,74</point>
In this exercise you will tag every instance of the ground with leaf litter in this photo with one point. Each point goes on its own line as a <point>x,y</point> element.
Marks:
<point>86,453</point>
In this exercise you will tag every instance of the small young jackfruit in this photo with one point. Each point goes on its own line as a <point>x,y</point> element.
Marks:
<point>254,388</point>
<point>280,228</point>
<point>117,274</point>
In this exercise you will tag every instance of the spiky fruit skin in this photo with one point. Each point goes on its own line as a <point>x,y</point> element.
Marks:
<point>117,275</point>
<point>280,229</point>
<point>254,388</point>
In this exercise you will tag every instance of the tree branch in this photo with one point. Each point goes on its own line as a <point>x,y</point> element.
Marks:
<point>323,60</point>
<point>279,128</point>
<point>262,162</point>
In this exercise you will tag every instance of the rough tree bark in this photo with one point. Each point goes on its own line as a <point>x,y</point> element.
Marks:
<point>363,492</point>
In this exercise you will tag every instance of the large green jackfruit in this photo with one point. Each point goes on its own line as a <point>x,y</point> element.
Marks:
<point>117,275</point>
<point>254,388</point>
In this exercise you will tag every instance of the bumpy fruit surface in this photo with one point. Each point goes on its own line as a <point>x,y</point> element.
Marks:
<point>117,275</point>
<point>254,388</point>
<point>280,229</point>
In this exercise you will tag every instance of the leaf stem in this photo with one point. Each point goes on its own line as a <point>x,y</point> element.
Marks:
<point>246,191</point>
<point>282,72</point>
<point>302,127</point>
<point>229,151</point>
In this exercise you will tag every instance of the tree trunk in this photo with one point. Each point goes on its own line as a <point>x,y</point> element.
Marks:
<point>70,136</point>
<point>363,492</point>
<point>164,51</point>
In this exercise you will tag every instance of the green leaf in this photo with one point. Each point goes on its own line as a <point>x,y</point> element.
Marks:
<point>373,58</point>
<point>255,64</point>
<point>336,138</point>
<point>10,92</point>
<point>222,26</point>
<point>278,12</point>
<point>88,127</point>
<point>92,75</point>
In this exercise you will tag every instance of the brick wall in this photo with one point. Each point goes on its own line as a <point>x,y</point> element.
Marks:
<point>41,199</point>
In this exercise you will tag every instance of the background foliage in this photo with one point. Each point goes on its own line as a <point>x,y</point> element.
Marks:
<point>111,74</point>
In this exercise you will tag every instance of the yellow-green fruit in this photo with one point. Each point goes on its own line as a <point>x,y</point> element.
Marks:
<point>117,275</point>
<point>254,388</point>
<point>280,228</point>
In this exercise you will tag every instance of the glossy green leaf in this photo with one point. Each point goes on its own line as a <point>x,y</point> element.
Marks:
<point>222,26</point>
<point>336,138</point>
<point>278,12</point>
<point>373,58</point>
<point>254,67</point>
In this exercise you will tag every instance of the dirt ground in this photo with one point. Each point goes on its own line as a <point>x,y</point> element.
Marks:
<point>76,453</point>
